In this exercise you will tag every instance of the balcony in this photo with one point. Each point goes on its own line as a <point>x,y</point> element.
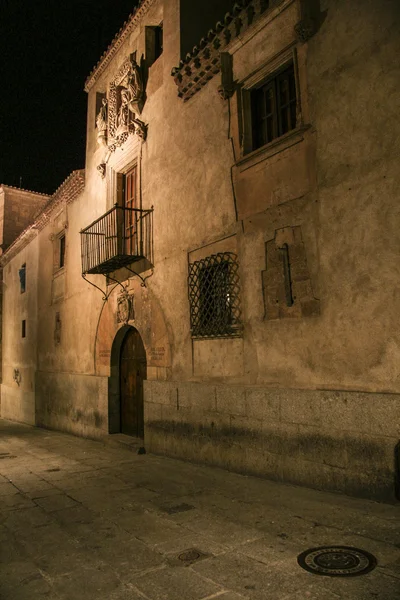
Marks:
<point>116,239</point>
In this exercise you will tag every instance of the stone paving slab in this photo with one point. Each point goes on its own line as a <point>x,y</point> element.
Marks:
<point>174,584</point>
<point>83,520</point>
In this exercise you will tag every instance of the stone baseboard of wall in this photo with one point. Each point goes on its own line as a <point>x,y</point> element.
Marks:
<point>332,440</point>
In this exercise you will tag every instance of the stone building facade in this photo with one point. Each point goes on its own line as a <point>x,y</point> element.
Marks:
<point>236,229</point>
<point>18,208</point>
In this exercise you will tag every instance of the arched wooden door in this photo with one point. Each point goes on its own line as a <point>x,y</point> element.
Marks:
<point>132,371</point>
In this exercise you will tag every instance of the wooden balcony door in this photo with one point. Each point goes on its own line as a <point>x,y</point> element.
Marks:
<point>132,373</point>
<point>130,202</point>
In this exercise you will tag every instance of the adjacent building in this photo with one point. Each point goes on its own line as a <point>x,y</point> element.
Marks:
<point>222,279</point>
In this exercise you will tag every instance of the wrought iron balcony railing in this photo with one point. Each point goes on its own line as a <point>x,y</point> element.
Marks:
<point>116,239</point>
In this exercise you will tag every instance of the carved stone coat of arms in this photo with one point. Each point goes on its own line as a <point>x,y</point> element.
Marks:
<point>125,310</point>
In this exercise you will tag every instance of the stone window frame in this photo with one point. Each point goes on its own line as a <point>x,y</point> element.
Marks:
<point>116,181</point>
<point>116,175</point>
<point>257,79</point>
<point>57,249</point>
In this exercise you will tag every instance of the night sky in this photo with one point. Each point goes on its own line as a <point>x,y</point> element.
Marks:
<point>47,49</point>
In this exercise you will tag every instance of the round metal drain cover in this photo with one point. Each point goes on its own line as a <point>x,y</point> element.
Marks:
<point>337,561</point>
<point>189,555</point>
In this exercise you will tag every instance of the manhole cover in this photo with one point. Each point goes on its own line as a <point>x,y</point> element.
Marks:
<point>337,561</point>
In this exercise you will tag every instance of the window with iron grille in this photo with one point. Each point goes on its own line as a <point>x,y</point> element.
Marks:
<point>273,107</point>
<point>214,296</point>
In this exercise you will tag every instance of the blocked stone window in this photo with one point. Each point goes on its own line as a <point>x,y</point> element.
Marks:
<point>286,281</point>
<point>214,296</point>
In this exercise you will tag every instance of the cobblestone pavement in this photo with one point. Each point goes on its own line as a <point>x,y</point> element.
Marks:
<point>83,520</point>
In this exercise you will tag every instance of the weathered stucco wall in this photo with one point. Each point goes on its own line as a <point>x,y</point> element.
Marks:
<point>19,354</point>
<point>352,95</point>
<point>345,202</point>
<point>72,402</point>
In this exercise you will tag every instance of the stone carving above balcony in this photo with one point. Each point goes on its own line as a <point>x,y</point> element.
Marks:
<point>126,99</point>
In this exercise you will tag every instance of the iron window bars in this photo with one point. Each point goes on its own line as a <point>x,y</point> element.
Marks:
<point>214,296</point>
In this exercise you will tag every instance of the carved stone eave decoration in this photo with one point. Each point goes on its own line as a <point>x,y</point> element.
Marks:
<point>305,29</point>
<point>125,102</point>
<point>311,20</point>
<point>227,87</point>
<point>125,308</point>
<point>133,21</point>
<point>205,60</point>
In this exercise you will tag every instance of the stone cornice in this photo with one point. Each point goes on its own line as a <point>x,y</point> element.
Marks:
<point>65,194</point>
<point>200,65</point>
<point>68,191</point>
<point>4,187</point>
<point>108,55</point>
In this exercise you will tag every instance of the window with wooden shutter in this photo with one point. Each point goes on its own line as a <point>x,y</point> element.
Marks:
<point>273,108</point>
<point>130,203</point>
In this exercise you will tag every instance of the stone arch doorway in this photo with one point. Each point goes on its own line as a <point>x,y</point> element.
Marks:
<point>128,371</point>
